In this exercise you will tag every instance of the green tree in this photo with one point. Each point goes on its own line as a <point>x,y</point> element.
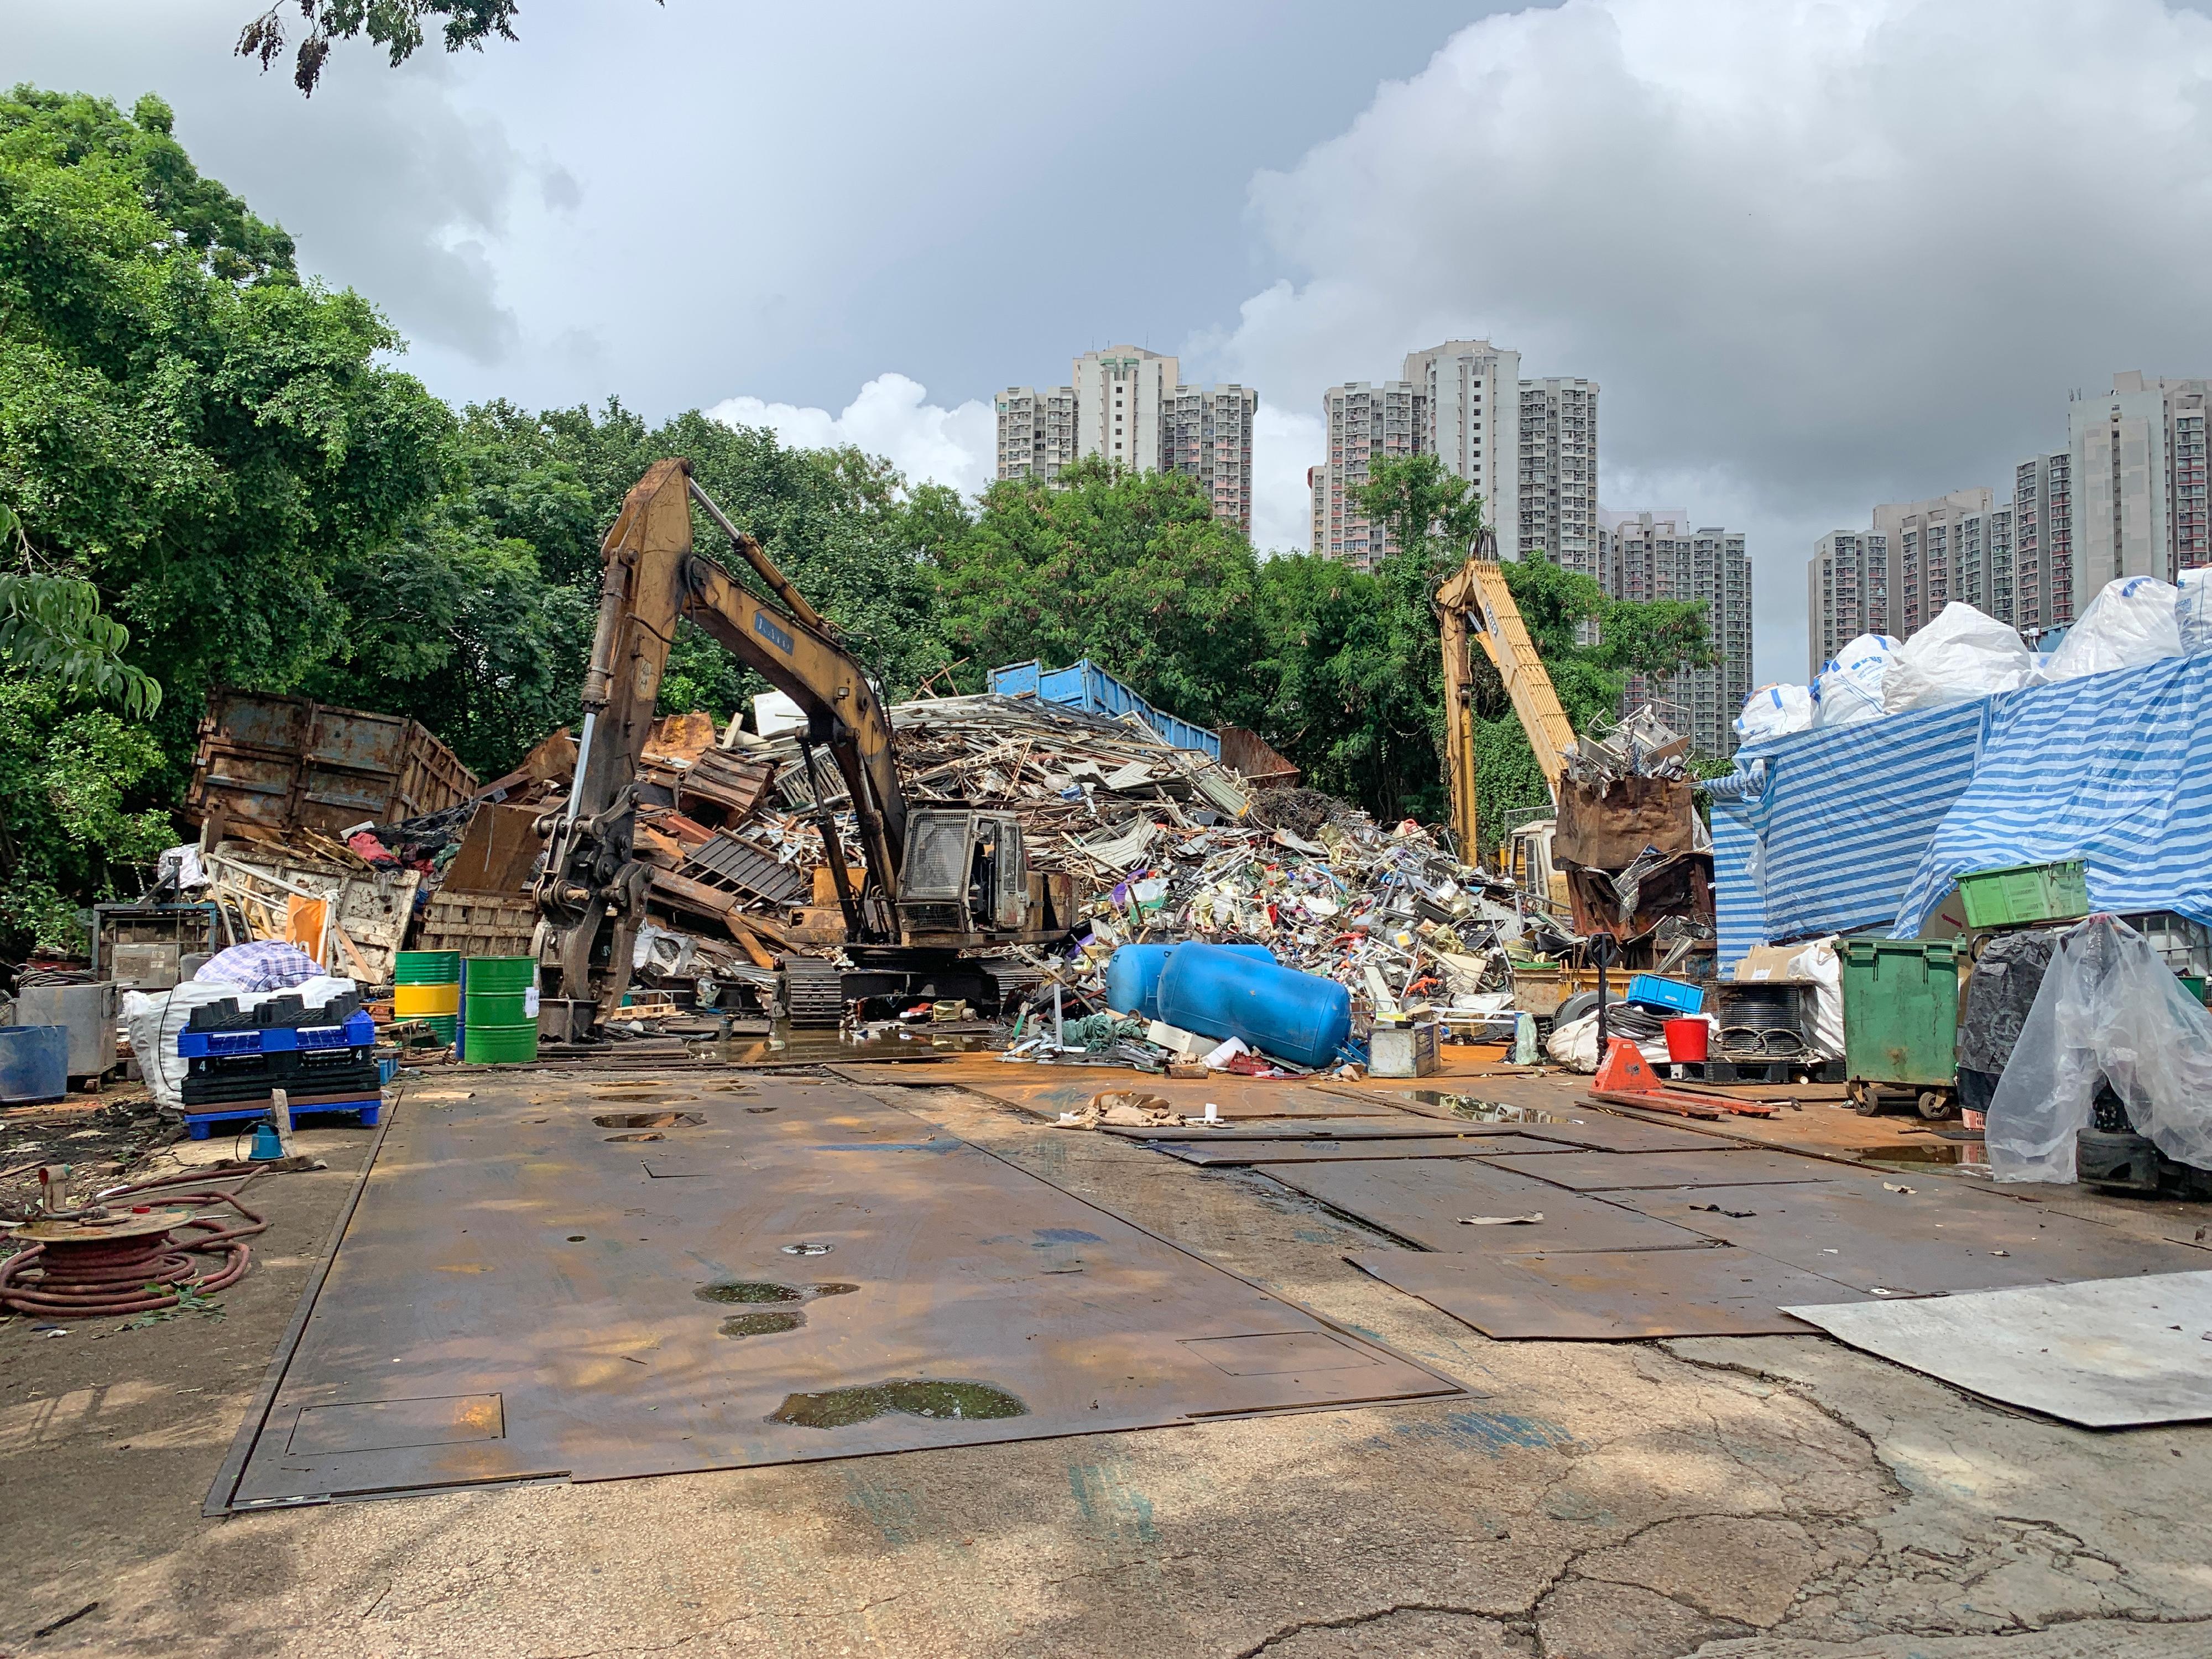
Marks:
<point>395,24</point>
<point>209,443</point>
<point>1130,569</point>
<point>1421,507</point>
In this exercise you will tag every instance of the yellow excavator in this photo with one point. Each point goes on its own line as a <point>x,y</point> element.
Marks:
<point>941,885</point>
<point>1477,591</point>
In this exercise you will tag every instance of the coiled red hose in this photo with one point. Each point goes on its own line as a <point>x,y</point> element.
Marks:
<point>81,1279</point>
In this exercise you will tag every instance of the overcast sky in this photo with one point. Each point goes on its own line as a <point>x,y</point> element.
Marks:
<point>1818,253</point>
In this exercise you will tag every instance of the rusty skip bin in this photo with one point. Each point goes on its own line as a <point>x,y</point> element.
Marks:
<point>287,763</point>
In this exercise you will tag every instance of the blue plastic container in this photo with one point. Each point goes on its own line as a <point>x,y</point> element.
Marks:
<point>33,1063</point>
<point>1219,991</point>
<point>1672,995</point>
<point>1132,974</point>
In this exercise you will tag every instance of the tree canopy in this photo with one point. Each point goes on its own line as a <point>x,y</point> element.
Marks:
<point>395,24</point>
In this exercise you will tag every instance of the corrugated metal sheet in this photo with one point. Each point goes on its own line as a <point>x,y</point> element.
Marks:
<point>1084,684</point>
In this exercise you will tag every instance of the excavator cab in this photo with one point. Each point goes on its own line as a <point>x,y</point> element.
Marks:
<point>965,876</point>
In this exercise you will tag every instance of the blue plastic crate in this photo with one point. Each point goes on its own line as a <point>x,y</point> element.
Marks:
<point>1674,995</point>
<point>358,1031</point>
<point>201,1125</point>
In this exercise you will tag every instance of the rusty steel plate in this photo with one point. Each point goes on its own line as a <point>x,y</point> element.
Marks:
<point>1423,1201</point>
<point>1395,1127</point>
<point>1720,1166</point>
<point>516,1297</point>
<point>1599,1132</point>
<point>1941,1236</point>
<point>1245,1151</point>
<point>1609,1296</point>
<point>1047,1096</point>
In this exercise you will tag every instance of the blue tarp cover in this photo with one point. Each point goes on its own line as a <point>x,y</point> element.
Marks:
<point>2115,769</point>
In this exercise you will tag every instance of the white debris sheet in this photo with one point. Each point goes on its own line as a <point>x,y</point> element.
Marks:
<point>2106,1353</point>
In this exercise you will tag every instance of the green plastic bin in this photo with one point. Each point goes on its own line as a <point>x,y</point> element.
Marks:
<point>2026,893</point>
<point>1901,1012</point>
<point>499,1044</point>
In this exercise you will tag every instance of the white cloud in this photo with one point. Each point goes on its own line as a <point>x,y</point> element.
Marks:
<point>1284,446</point>
<point>1819,254</point>
<point>928,443</point>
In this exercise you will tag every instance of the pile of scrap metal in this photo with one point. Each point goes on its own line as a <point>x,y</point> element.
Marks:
<point>1637,860</point>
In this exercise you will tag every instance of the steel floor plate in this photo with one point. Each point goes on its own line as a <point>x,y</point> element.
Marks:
<point>1049,1095</point>
<point>1609,1296</point>
<point>1245,1151</point>
<point>1720,1166</point>
<point>1423,1200</point>
<point>1941,1236</point>
<point>519,1294</point>
<point>1397,1125</point>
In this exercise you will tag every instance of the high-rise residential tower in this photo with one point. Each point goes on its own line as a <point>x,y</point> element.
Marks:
<point>1558,479</point>
<point>1921,537</point>
<point>1470,399</point>
<point>1129,406</point>
<point>2138,480</point>
<point>1659,555</point>
<point>2043,542</point>
<point>1366,423</point>
<point>1847,592</point>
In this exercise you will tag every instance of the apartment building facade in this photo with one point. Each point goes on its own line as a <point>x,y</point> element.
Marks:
<point>1470,397</point>
<point>2043,542</point>
<point>1847,592</point>
<point>2138,478</point>
<point>1922,537</point>
<point>1661,555</point>
<point>1557,480</point>
<point>1366,423</point>
<point>1129,406</point>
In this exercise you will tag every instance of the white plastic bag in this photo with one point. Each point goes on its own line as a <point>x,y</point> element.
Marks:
<point>2109,1010</point>
<point>2130,622</point>
<point>1775,711</point>
<point>1819,963</point>
<point>1574,1045</point>
<point>1962,655</point>
<point>1849,690</point>
<point>2192,608</point>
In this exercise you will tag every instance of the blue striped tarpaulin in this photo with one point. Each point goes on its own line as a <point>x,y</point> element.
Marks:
<point>2115,769</point>
<point>1739,913</point>
<point>1846,813</point>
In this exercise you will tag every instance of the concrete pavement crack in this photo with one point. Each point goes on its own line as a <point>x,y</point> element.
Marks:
<point>1353,1620</point>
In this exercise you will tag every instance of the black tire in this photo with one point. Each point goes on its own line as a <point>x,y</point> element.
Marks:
<point>1866,1099</point>
<point>1583,1002</point>
<point>813,993</point>
<point>1935,1105</point>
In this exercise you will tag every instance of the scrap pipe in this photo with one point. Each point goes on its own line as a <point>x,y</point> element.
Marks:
<point>86,1278</point>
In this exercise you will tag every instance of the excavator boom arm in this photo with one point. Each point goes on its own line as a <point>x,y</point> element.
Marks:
<point>1477,590</point>
<point>653,581</point>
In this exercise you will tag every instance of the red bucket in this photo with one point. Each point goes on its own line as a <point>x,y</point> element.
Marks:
<point>1685,1039</point>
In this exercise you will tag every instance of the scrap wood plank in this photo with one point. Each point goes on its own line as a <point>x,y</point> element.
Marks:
<point>1609,1295</point>
<point>1658,1100</point>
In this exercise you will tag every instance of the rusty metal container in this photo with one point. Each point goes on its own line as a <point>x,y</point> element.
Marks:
<point>280,764</point>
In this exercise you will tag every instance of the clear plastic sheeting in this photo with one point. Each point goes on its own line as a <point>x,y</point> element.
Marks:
<point>2132,622</point>
<point>2109,1010</point>
<point>1849,689</point>
<point>1962,655</point>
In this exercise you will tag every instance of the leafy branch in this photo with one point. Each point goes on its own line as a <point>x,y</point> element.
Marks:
<point>53,627</point>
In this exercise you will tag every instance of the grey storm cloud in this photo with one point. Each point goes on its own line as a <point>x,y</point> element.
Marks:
<point>1819,254</point>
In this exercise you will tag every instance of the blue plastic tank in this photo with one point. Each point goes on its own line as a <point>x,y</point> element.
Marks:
<point>1218,992</point>
<point>33,1063</point>
<point>1132,974</point>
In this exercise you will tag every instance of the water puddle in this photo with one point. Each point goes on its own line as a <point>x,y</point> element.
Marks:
<point>1925,1152</point>
<point>840,1408</point>
<point>648,1119</point>
<point>749,1290</point>
<point>833,1288</point>
<point>764,1324</point>
<point>1472,1110</point>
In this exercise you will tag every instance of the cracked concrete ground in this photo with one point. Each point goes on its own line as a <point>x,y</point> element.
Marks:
<point>1779,1497</point>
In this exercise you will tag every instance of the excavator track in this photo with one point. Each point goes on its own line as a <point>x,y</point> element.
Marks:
<point>813,993</point>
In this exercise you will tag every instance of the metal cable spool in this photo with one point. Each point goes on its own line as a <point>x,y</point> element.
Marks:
<point>1761,1021</point>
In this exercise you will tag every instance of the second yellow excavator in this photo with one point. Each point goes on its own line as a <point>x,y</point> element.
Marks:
<point>1477,591</point>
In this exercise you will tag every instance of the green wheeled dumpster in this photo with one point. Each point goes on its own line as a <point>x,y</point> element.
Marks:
<point>1901,1022</point>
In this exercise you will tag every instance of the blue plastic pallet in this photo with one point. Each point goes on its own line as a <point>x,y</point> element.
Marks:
<point>358,1031</point>
<point>202,1124</point>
